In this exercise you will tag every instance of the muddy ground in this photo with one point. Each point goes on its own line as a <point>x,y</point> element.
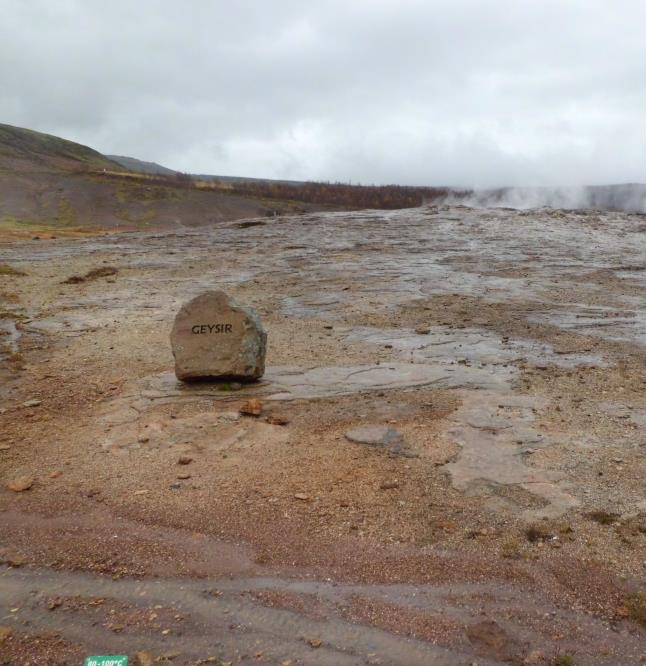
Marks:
<point>507,350</point>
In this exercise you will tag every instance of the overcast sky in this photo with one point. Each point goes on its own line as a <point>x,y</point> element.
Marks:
<point>456,92</point>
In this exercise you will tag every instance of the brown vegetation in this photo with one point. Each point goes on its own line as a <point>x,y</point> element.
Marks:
<point>347,196</point>
<point>340,195</point>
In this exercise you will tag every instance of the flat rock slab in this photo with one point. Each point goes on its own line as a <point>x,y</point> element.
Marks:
<point>492,429</point>
<point>376,435</point>
<point>289,383</point>
<point>214,337</point>
<point>292,383</point>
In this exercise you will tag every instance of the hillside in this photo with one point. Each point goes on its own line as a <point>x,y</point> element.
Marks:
<point>25,149</point>
<point>133,164</point>
<point>51,187</point>
<point>141,166</point>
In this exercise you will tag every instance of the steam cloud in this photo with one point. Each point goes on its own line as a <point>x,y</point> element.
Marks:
<point>630,197</point>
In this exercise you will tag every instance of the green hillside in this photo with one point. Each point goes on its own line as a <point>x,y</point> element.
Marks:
<point>24,147</point>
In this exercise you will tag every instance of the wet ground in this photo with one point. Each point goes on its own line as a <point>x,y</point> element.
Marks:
<point>505,348</point>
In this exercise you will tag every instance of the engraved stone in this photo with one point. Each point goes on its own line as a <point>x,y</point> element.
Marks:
<point>214,337</point>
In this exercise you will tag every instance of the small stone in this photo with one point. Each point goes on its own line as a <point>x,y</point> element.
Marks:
<point>422,330</point>
<point>141,492</point>
<point>4,447</point>
<point>32,403</point>
<point>315,642</point>
<point>214,337</point>
<point>622,611</point>
<point>389,485</point>
<point>252,407</point>
<point>175,486</point>
<point>144,658</point>
<point>229,416</point>
<point>14,560</point>
<point>534,658</point>
<point>54,603</point>
<point>489,635</point>
<point>301,496</point>
<point>184,460</point>
<point>21,483</point>
<point>184,475</point>
<point>142,439</point>
<point>277,420</point>
<point>5,632</point>
<point>55,474</point>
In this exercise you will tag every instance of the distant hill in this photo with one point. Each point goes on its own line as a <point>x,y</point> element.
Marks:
<point>133,164</point>
<point>50,186</point>
<point>25,149</point>
<point>141,166</point>
<point>246,179</point>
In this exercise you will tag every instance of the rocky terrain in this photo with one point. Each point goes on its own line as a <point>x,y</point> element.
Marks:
<point>443,464</point>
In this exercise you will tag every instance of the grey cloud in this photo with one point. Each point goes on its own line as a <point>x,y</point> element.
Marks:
<point>464,92</point>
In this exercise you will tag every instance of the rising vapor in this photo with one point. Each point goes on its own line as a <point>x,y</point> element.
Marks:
<point>629,197</point>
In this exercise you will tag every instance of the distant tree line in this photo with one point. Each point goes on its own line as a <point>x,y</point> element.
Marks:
<point>183,179</point>
<point>341,195</point>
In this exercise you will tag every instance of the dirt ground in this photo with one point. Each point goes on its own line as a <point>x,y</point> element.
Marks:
<point>507,350</point>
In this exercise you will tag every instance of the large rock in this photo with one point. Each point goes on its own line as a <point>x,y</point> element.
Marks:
<point>216,338</point>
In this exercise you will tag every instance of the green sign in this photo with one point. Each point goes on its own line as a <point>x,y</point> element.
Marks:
<point>107,660</point>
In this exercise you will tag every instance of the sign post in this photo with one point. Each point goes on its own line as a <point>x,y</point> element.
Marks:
<point>107,660</point>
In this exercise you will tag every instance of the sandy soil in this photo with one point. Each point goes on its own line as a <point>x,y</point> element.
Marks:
<point>507,349</point>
